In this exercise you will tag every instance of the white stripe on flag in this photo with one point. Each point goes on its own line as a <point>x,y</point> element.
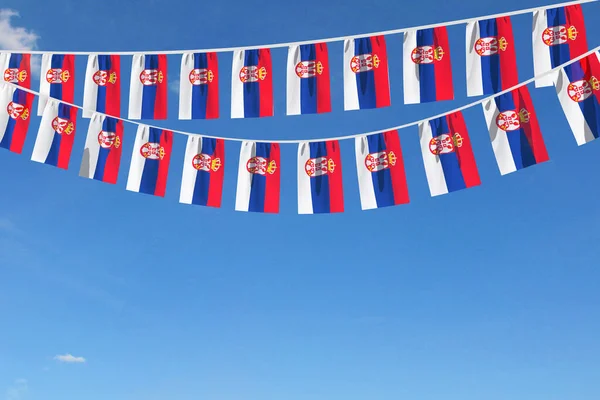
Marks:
<point>412,89</point>
<point>90,91</point>
<point>293,82</point>
<point>44,84</point>
<point>350,88</point>
<point>185,87</point>
<point>244,183</point>
<point>433,165</point>
<point>580,128</point>
<point>474,77</point>
<point>305,205</point>
<point>499,138</point>
<point>237,86</point>
<point>4,61</point>
<point>91,150</point>
<point>365,178</point>
<point>136,88</point>
<point>46,132</point>
<point>6,95</point>
<point>136,168</point>
<point>188,179</point>
<point>541,52</point>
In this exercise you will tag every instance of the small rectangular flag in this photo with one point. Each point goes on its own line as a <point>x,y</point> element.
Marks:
<point>366,77</point>
<point>381,176</point>
<point>15,110</point>
<point>203,171</point>
<point>199,86</point>
<point>259,178</point>
<point>252,84</point>
<point>558,36</point>
<point>514,130</point>
<point>427,66</point>
<point>491,59</point>
<point>320,188</point>
<point>447,154</point>
<point>308,90</point>
<point>103,148</point>
<point>57,79</point>
<point>16,68</point>
<point>148,87</point>
<point>149,167</point>
<point>102,88</point>
<point>56,135</point>
<point>578,89</point>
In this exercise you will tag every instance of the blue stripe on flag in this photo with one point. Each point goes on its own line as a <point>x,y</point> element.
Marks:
<point>427,82</point>
<point>251,90</point>
<point>200,92</point>
<point>521,150</point>
<point>589,107</point>
<point>365,81</point>
<point>150,172</point>
<point>258,187</point>
<point>490,65</point>
<point>15,60</point>
<point>149,91</point>
<point>308,86</point>
<point>382,180</point>
<point>19,97</point>
<point>109,125</point>
<point>559,53</point>
<point>56,89</point>
<point>202,184</point>
<point>104,64</point>
<point>450,164</point>
<point>319,185</point>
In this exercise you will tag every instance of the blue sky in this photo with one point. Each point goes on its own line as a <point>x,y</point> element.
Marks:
<point>489,293</point>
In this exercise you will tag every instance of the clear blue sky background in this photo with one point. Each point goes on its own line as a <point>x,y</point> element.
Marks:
<point>490,293</point>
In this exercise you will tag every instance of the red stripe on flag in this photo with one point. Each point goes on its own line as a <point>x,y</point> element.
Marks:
<point>66,141</point>
<point>68,87</point>
<point>397,172</point>
<point>466,159</point>
<point>266,85</point>
<point>113,90</point>
<point>166,141</point>
<point>113,160</point>
<point>444,89</point>
<point>508,58</point>
<point>160,103</point>
<point>382,81</point>
<point>212,102</point>
<point>336,190</point>
<point>574,17</point>
<point>22,126</point>
<point>215,187</point>
<point>532,130</point>
<point>323,80</point>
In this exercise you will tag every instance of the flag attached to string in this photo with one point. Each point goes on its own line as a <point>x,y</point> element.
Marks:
<point>578,89</point>
<point>16,68</point>
<point>252,84</point>
<point>203,172</point>
<point>491,59</point>
<point>103,149</point>
<point>308,90</point>
<point>320,187</point>
<point>447,154</point>
<point>558,36</point>
<point>102,88</point>
<point>148,87</point>
<point>149,167</point>
<point>427,67</point>
<point>57,79</point>
<point>259,178</point>
<point>15,113</point>
<point>366,78</point>
<point>199,86</point>
<point>381,176</point>
<point>56,135</point>
<point>514,131</point>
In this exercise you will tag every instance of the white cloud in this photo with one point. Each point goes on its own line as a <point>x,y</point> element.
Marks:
<point>18,391</point>
<point>12,37</point>
<point>68,358</point>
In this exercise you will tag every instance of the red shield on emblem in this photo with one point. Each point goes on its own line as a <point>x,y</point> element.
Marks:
<point>107,139</point>
<point>508,120</point>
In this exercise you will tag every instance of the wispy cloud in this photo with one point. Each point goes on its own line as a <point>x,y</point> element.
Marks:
<point>18,391</point>
<point>68,358</point>
<point>13,37</point>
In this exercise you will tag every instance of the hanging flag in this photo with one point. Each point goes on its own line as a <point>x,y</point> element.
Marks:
<point>320,187</point>
<point>491,59</point>
<point>16,68</point>
<point>56,135</point>
<point>578,89</point>
<point>252,84</point>
<point>15,110</point>
<point>149,167</point>
<point>366,80</point>
<point>103,148</point>
<point>427,66</point>
<point>57,79</point>
<point>381,176</point>
<point>199,86</point>
<point>514,130</point>
<point>148,87</point>
<point>259,175</point>
<point>558,37</point>
<point>102,89</point>
<point>203,171</point>
<point>447,154</point>
<point>308,90</point>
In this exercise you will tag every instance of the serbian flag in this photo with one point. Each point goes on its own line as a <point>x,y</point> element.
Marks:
<point>578,89</point>
<point>381,176</point>
<point>57,79</point>
<point>102,88</point>
<point>259,176</point>
<point>149,167</point>
<point>15,110</point>
<point>103,148</point>
<point>320,188</point>
<point>447,154</point>
<point>514,130</point>
<point>366,80</point>
<point>16,68</point>
<point>427,66</point>
<point>56,135</point>
<point>203,171</point>
<point>252,84</point>
<point>199,86</point>
<point>491,59</point>
<point>308,90</point>
<point>148,87</point>
<point>558,37</point>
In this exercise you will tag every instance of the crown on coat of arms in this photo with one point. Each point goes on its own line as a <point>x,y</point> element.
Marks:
<point>112,78</point>
<point>376,61</point>
<point>594,83</point>
<point>210,75</point>
<point>524,115</point>
<point>502,43</point>
<point>272,167</point>
<point>319,67</point>
<point>330,166</point>
<point>572,32</point>
<point>262,73</point>
<point>160,76</point>
<point>438,53</point>
<point>69,128</point>
<point>215,164</point>
<point>392,158</point>
<point>117,142</point>
<point>457,139</point>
